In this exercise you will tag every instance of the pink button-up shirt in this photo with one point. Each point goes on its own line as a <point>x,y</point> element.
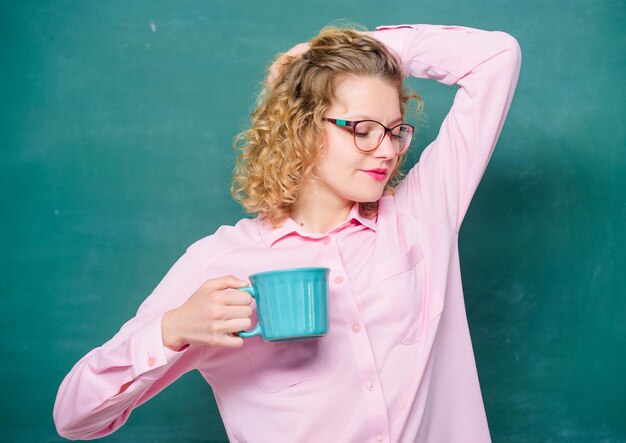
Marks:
<point>397,363</point>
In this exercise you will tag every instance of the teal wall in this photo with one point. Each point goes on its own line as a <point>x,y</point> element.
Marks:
<point>115,146</point>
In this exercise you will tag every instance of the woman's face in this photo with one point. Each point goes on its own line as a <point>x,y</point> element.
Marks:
<point>341,165</point>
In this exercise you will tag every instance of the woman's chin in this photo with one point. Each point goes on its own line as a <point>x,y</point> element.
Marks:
<point>369,197</point>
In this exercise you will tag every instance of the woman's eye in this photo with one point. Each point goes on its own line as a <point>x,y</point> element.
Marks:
<point>361,134</point>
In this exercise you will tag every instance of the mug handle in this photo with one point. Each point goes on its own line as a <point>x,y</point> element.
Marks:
<point>257,329</point>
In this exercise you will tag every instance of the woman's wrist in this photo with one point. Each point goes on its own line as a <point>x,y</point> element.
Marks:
<point>170,339</point>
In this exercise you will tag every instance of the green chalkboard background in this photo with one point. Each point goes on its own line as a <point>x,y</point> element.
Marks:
<point>115,154</point>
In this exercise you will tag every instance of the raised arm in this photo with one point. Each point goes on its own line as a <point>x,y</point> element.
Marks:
<point>485,65</point>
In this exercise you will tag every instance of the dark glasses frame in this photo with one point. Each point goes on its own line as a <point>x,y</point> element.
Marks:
<point>352,124</point>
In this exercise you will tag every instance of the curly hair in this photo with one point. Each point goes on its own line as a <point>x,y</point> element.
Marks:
<point>277,154</point>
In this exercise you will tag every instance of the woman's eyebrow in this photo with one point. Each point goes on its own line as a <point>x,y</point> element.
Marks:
<point>367,117</point>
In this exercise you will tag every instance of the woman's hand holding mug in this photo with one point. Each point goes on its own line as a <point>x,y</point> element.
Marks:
<point>210,316</point>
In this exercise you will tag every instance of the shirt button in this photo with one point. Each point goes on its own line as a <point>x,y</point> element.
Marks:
<point>370,385</point>
<point>151,361</point>
<point>356,327</point>
<point>380,438</point>
<point>339,280</point>
<point>326,240</point>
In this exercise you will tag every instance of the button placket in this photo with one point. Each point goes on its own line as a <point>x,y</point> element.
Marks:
<point>350,312</point>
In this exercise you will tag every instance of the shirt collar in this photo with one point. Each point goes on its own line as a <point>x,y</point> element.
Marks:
<point>270,235</point>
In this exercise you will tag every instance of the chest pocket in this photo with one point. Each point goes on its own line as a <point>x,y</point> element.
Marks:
<point>279,365</point>
<point>414,302</point>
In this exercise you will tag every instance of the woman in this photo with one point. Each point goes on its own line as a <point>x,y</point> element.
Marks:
<point>318,167</point>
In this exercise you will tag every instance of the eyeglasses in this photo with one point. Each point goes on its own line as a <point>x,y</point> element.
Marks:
<point>369,134</point>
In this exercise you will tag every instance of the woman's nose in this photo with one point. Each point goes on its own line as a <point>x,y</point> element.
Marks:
<point>386,148</point>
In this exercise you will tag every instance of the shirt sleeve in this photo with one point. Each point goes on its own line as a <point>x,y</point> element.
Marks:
<point>89,403</point>
<point>485,65</point>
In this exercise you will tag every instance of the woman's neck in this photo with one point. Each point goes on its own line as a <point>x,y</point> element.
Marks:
<point>319,217</point>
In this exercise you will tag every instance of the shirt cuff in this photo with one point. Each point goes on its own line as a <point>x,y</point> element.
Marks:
<point>149,354</point>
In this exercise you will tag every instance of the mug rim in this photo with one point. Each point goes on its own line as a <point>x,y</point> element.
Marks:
<point>288,270</point>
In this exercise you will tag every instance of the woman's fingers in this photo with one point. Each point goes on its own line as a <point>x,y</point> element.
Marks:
<point>226,332</point>
<point>222,283</point>
<point>237,324</point>
<point>230,312</point>
<point>284,59</point>
<point>299,49</point>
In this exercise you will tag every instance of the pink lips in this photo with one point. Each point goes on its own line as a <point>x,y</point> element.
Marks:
<point>377,174</point>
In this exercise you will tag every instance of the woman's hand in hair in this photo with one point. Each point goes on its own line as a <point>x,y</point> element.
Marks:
<point>285,59</point>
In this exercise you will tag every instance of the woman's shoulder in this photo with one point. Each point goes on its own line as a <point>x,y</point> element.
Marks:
<point>226,238</point>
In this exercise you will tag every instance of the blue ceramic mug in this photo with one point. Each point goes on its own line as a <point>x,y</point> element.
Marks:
<point>292,304</point>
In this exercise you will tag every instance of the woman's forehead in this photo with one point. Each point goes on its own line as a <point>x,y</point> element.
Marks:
<point>366,97</point>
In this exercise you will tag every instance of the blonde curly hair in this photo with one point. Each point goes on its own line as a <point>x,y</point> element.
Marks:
<point>278,153</point>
